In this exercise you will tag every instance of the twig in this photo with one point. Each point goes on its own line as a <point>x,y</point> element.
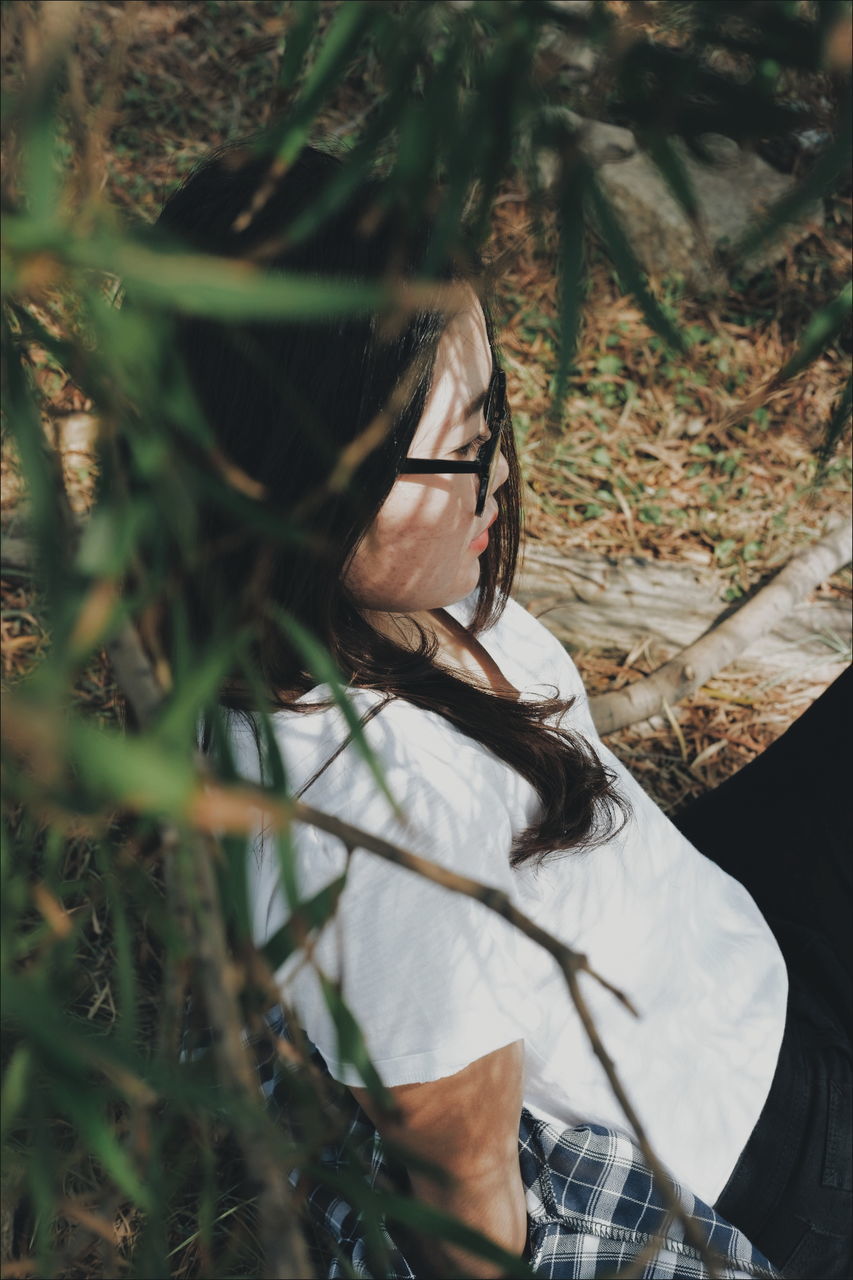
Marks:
<point>690,669</point>
<point>570,962</point>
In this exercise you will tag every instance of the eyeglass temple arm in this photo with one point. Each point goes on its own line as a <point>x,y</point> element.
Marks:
<point>438,467</point>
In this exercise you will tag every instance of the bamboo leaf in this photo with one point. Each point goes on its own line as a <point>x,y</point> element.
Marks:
<point>674,172</point>
<point>39,154</point>
<point>427,1221</point>
<point>126,1024</point>
<point>571,212</point>
<point>503,92</point>
<point>320,664</point>
<point>16,1082</point>
<point>43,1177</point>
<point>306,15</point>
<point>229,290</point>
<point>820,331</point>
<point>201,675</point>
<point>203,284</point>
<point>84,1111</point>
<point>309,915</point>
<point>434,1223</point>
<point>140,773</point>
<point>351,1044</point>
<point>835,427</point>
<point>630,270</point>
<point>25,423</point>
<point>817,184</point>
<point>340,43</point>
<point>384,119</point>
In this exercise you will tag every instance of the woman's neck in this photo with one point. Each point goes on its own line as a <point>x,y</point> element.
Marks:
<point>458,650</point>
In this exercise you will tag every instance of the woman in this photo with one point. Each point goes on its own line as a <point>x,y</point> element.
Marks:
<point>479,723</point>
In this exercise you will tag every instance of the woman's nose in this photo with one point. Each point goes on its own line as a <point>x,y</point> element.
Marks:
<point>501,472</point>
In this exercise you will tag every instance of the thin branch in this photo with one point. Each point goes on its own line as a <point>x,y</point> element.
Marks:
<point>570,962</point>
<point>679,677</point>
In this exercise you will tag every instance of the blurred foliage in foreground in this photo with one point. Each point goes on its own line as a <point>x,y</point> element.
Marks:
<point>116,899</point>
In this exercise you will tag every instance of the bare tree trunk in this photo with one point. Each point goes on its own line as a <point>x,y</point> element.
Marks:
<point>690,669</point>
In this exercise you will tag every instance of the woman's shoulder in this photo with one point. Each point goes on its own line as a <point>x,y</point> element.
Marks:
<point>527,651</point>
<point>335,752</point>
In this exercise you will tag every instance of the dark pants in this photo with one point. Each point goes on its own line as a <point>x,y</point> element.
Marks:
<point>782,827</point>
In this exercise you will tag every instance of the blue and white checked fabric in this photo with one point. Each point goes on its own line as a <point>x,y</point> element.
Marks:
<point>593,1206</point>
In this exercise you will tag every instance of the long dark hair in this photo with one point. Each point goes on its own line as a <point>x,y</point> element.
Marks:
<point>284,401</point>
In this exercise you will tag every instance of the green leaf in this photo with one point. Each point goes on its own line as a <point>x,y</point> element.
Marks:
<point>311,914</point>
<point>305,16</point>
<point>24,421</point>
<point>202,285</point>
<point>359,163</point>
<point>142,774</point>
<point>674,172</point>
<point>124,965</point>
<point>39,154</point>
<point>503,89</point>
<point>571,205</point>
<point>835,426</point>
<point>84,1109</point>
<point>432,1222</point>
<point>630,270</point>
<point>820,331</point>
<point>351,1044</point>
<point>108,540</point>
<point>320,664</point>
<point>427,1221</point>
<point>818,183</point>
<point>17,1080</point>
<point>340,43</point>
<point>201,678</point>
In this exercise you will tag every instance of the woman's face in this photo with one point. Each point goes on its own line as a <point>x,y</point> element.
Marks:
<point>422,550</point>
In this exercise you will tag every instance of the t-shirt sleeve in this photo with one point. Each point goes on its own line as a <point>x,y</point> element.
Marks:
<point>431,976</point>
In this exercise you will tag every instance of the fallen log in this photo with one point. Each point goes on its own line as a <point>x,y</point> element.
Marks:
<point>630,603</point>
<point>679,677</point>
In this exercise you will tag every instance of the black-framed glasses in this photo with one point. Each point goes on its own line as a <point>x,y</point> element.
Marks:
<point>496,412</point>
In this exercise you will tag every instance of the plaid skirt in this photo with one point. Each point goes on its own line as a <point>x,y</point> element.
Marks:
<point>593,1206</point>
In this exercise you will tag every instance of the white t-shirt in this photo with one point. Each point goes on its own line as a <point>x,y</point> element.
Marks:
<point>437,980</point>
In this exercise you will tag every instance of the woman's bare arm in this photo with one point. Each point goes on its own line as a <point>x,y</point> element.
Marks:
<point>468,1124</point>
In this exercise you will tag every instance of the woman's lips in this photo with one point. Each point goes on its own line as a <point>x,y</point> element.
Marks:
<point>479,544</point>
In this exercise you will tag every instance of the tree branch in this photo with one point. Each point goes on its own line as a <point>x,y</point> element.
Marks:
<point>685,673</point>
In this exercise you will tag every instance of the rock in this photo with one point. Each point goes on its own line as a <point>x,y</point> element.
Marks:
<point>732,193</point>
<point>601,144</point>
<point>564,55</point>
<point>605,143</point>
